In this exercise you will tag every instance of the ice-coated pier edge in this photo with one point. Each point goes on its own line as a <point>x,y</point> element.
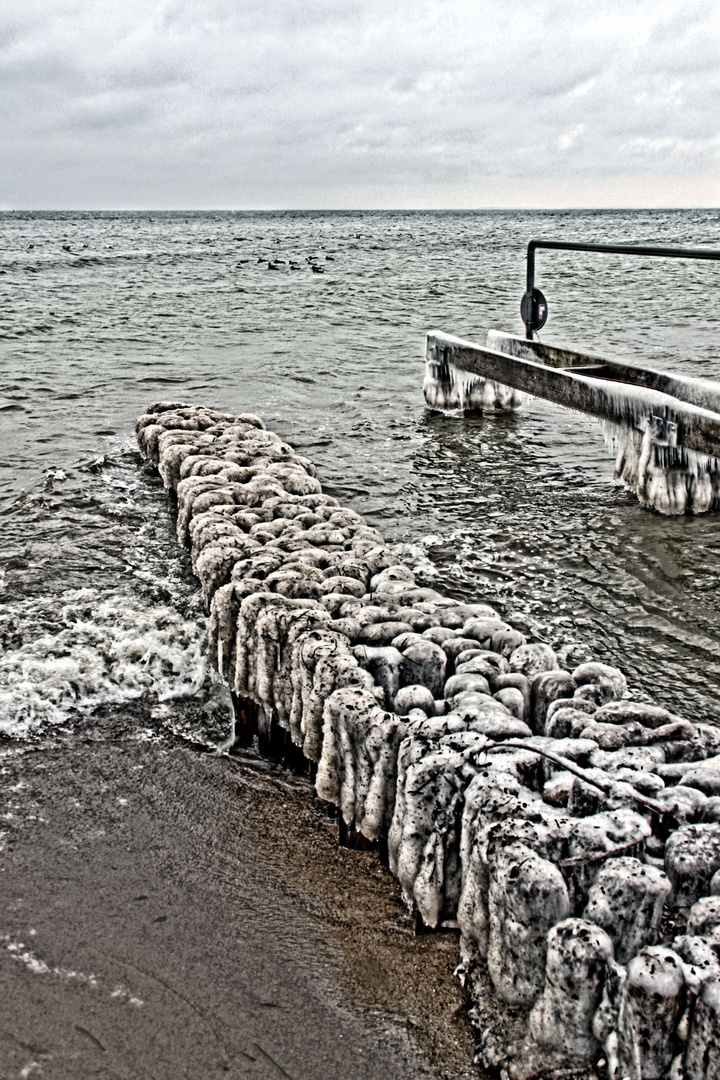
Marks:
<point>664,430</point>
<point>570,833</point>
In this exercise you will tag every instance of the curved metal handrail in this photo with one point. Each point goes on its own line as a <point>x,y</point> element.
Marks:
<point>533,307</point>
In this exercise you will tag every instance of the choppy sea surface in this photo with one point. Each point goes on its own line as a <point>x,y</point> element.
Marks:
<point>103,313</point>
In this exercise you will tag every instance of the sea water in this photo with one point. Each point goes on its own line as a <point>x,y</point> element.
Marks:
<point>316,322</point>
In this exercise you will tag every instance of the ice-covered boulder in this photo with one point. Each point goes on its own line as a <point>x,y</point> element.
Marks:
<point>626,899</point>
<point>526,898</point>
<point>702,1057</point>
<point>692,856</point>
<point>578,956</point>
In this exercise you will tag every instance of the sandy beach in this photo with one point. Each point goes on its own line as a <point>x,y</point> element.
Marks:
<point>170,913</point>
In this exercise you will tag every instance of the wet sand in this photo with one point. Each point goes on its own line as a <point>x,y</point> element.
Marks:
<point>169,913</point>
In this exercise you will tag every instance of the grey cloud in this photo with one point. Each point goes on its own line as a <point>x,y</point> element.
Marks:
<point>239,103</point>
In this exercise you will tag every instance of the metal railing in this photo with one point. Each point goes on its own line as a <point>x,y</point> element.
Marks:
<point>533,306</point>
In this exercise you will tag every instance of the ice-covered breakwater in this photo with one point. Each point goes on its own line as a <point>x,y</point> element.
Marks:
<point>571,833</point>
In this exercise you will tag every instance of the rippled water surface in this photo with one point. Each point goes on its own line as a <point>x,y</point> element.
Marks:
<point>103,313</point>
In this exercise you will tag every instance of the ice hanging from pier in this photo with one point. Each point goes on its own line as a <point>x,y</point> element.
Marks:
<point>670,479</point>
<point>448,388</point>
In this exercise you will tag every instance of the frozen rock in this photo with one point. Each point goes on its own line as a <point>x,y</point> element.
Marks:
<point>673,772</point>
<point>692,856</point>
<point>455,646</point>
<point>451,618</point>
<point>531,660</point>
<point>460,684</point>
<point>358,767</point>
<point>321,663</point>
<point>547,687</point>
<point>506,642</point>
<point>556,790</point>
<point>578,955</point>
<point>379,634</point>
<point>574,702</point>
<point>343,584</point>
<point>223,627</point>
<point>495,796</point>
<point>609,681</point>
<point>626,899</point>
<point>511,698</point>
<point>584,799</point>
<point>650,1007</point>
<point>384,664</point>
<point>482,629</point>
<point>215,563</point>
<point>475,701</point>
<point>438,634</point>
<point>424,662</point>
<point>647,783</point>
<point>527,897</point>
<point>393,575</point>
<point>612,736</point>
<point>485,663</point>
<point>347,627</point>
<point>333,672</point>
<point>641,758</point>
<point>593,839</point>
<point>705,780</point>
<point>702,1058</point>
<point>267,625</point>
<point>404,640</point>
<point>704,918</point>
<point>565,722</point>
<point>623,712</point>
<point>700,960</point>
<point>578,751</point>
<point>684,804</point>
<point>468,654</point>
<point>709,736</point>
<point>424,837</point>
<point>710,810</point>
<point>414,696</point>
<point>515,681</point>
<point>495,723</point>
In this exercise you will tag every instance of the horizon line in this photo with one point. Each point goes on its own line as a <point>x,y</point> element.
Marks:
<point>347,210</point>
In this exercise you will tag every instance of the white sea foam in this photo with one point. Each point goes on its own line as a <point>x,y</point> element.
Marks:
<point>34,964</point>
<point>111,647</point>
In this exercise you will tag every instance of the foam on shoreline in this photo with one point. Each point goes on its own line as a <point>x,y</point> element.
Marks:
<point>570,833</point>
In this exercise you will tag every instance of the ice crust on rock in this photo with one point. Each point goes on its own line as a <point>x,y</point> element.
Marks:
<point>536,809</point>
<point>692,857</point>
<point>578,955</point>
<point>702,1058</point>
<point>649,1009</point>
<point>626,899</point>
<point>527,896</point>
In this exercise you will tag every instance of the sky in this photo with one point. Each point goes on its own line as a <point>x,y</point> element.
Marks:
<point>242,104</point>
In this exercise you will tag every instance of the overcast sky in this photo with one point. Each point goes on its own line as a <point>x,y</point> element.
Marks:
<point>359,103</point>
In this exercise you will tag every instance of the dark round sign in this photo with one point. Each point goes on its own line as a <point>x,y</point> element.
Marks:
<point>534,310</point>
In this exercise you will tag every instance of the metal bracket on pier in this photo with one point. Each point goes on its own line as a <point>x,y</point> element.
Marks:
<point>534,308</point>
